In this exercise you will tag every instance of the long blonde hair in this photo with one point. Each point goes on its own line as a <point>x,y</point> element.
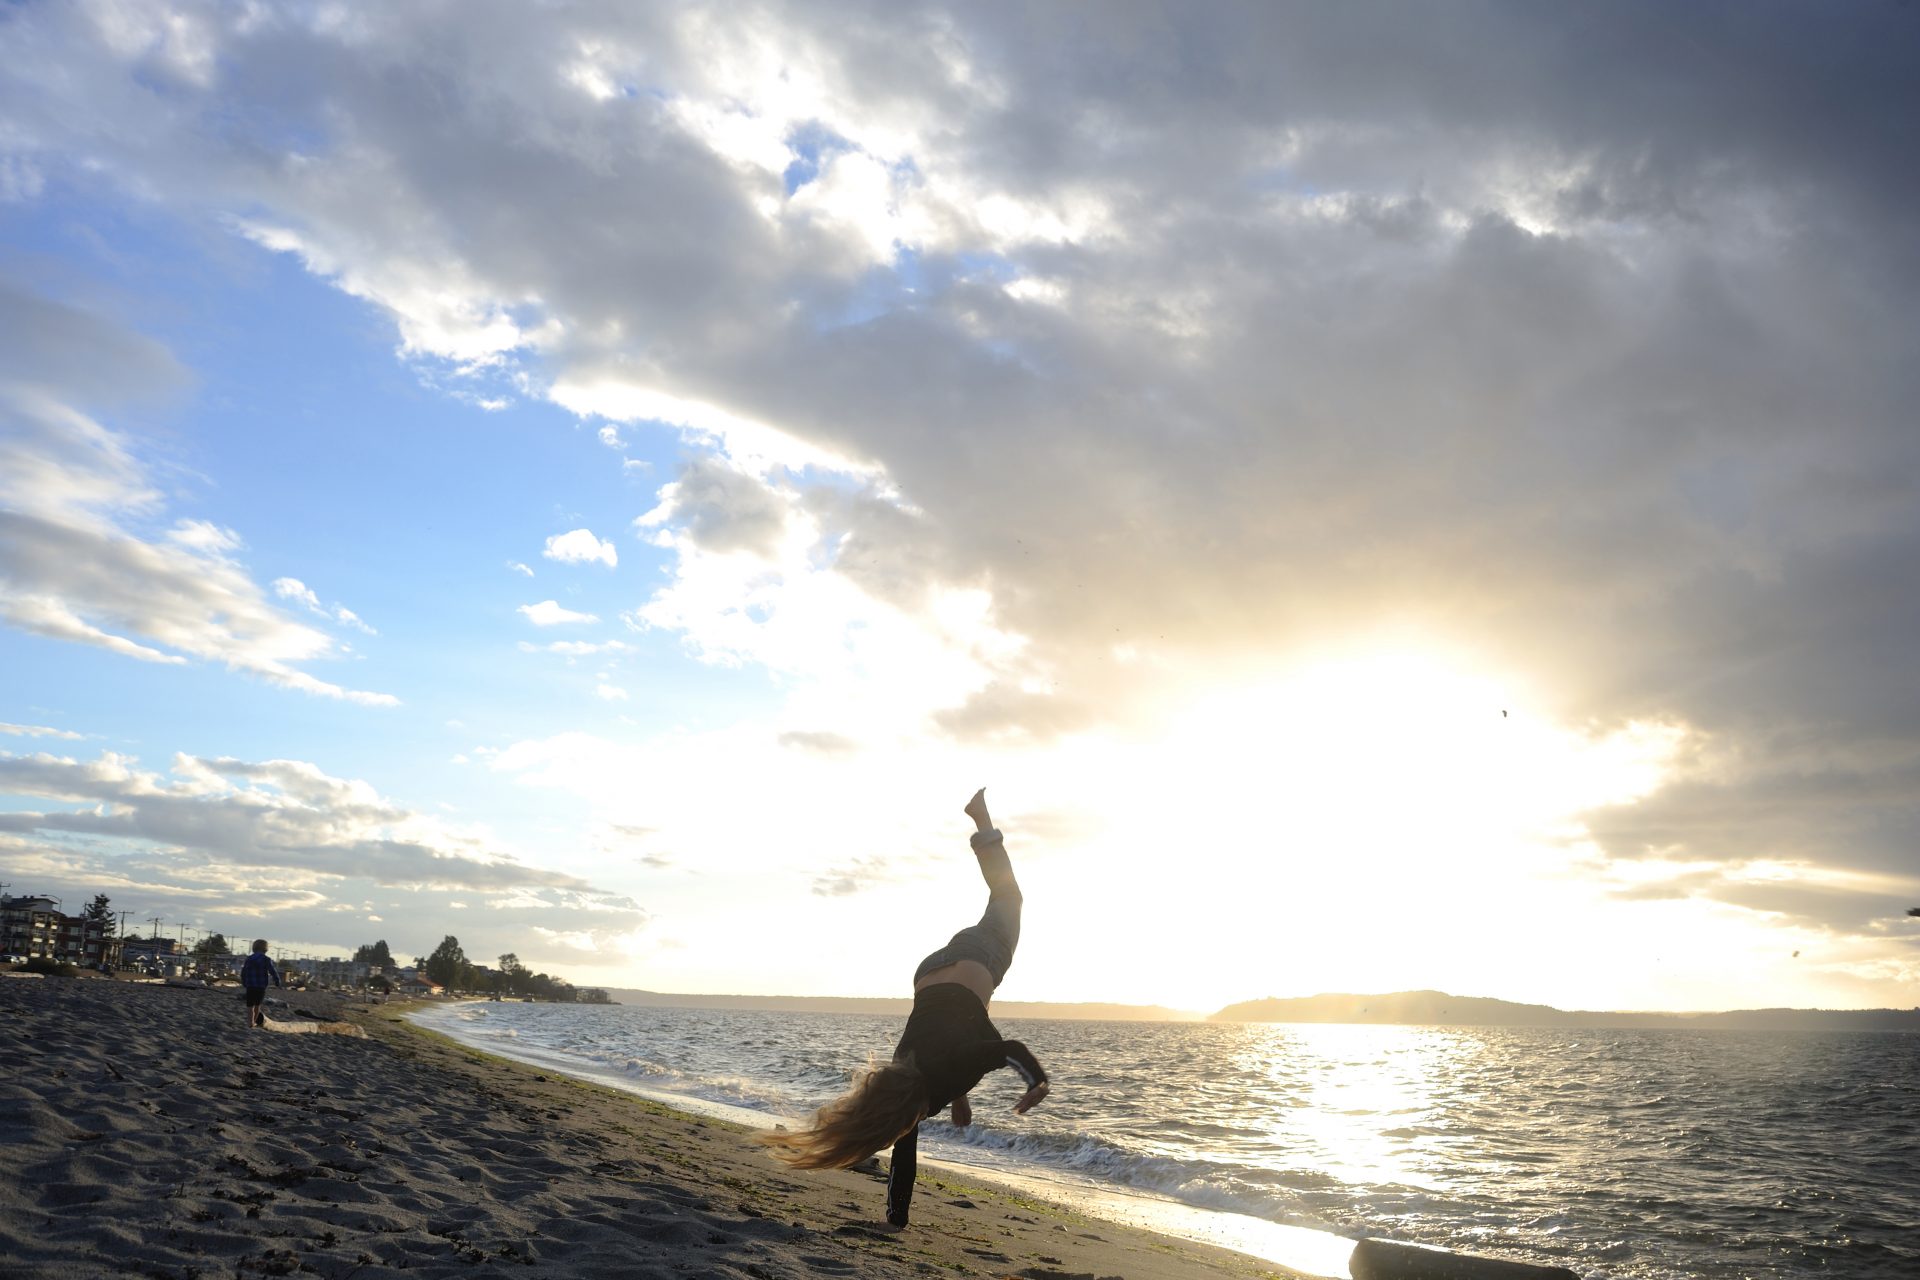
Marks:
<point>882,1106</point>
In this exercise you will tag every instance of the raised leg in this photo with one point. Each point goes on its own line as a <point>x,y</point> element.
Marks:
<point>978,955</point>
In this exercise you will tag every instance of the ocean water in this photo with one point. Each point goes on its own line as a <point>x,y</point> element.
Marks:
<point>1651,1155</point>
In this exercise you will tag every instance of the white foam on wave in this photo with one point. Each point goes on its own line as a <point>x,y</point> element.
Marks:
<point>637,1076</point>
<point>1199,1183</point>
<point>1074,1169</point>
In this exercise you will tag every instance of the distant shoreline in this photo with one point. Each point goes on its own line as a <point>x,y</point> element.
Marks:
<point>899,1006</point>
<point>1437,1008</point>
<point>1399,1008</point>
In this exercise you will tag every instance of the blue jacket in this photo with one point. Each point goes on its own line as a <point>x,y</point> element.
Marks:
<point>258,971</point>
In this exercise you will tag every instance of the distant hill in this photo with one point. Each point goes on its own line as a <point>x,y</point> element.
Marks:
<point>899,1007</point>
<point>1437,1008</point>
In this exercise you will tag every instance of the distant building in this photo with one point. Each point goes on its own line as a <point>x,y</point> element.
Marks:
<point>147,953</point>
<point>338,971</point>
<point>228,962</point>
<point>35,927</point>
<point>27,926</point>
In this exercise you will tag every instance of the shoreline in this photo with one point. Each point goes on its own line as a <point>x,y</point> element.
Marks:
<point>150,1132</point>
<point>1302,1251</point>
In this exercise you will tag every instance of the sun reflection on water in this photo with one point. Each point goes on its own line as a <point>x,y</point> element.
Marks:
<point>1369,1104</point>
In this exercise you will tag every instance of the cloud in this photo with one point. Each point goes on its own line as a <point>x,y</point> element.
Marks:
<point>298,592</point>
<point>721,509</point>
<point>580,648</point>
<point>549,613</point>
<point>517,567</point>
<point>610,692</point>
<point>851,878</point>
<point>831,744</point>
<point>1088,399</point>
<point>580,547</point>
<point>254,817</point>
<point>294,589</point>
<point>275,837</point>
<point>77,559</point>
<point>38,731</point>
<point>621,839</point>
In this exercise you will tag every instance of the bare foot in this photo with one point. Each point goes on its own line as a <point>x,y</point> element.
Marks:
<point>977,810</point>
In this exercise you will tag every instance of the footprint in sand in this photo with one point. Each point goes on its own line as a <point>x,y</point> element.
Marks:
<point>864,1233</point>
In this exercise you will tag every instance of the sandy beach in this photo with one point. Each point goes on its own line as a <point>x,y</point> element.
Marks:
<point>149,1132</point>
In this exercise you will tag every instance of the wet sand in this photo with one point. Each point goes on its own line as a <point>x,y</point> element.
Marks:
<point>148,1132</point>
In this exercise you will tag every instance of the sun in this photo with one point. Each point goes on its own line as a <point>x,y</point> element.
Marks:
<point>1319,826</point>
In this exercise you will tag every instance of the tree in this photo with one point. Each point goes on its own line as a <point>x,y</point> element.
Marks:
<point>99,912</point>
<point>375,953</point>
<point>447,962</point>
<point>512,973</point>
<point>593,995</point>
<point>214,944</point>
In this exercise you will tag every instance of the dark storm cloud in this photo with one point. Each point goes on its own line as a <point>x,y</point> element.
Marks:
<point>1578,337</point>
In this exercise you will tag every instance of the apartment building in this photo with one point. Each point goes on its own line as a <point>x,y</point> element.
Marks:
<point>37,927</point>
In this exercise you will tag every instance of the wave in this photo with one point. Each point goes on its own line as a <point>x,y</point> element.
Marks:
<point>1596,1163</point>
<point>1275,1195</point>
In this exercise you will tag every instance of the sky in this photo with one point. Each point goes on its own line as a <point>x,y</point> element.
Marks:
<point>1382,496</point>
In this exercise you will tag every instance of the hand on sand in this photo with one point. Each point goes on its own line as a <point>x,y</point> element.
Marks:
<point>1030,1099</point>
<point>977,810</point>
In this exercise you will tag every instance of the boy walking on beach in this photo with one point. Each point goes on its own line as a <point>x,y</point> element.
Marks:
<point>254,976</point>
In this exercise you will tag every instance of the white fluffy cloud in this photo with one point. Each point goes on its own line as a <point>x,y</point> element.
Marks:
<point>38,731</point>
<point>550,613</point>
<point>81,558</point>
<point>300,593</point>
<point>295,590</point>
<point>580,547</point>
